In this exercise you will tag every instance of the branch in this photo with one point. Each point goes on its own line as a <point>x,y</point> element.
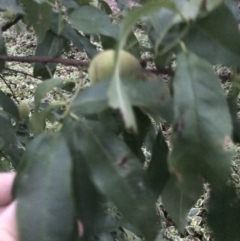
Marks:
<point>78,63</point>
<point>20,72</point>
<point>170,72</point>
<point>8,25</point>
<point>45,60</point>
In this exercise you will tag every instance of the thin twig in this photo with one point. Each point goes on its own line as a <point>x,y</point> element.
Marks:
<point>10,88</point>
<point>21,72</point>
<point>8,25</point>
<point>44,60</point>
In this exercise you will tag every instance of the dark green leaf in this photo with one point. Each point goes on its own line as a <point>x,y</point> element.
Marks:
<point>11,5</point>
<point>37,123</point>
<point>111,166</point>
<point>108,42</point>
<point>118,98</point>
<point>223,215</point>
<point>87,198</point>
<point>78,40</point>
<point>235,120</point>
<point>231,4</point>
<point>135,140</point>
<point>91,100</point>
<point>205,46</point>
<point>150,138</point>
<point>151,96</point>
<point>94,99</point>
<point>157,172</point>
<point>69,87</point>
<point>9,145</point>
<point>91,20</point>
<point>168,18</point>
<point>6,129</point>
<point>51,46</point>
<point>178,202</point>
<point>44,87</point>
<point>69,4</point>
<point>202,123</point>
<point>8,105</point>
<point>13,152</point>
<point>111,120</point>
<point>133,45</point>
<point>39,16</point>
<point>82,2</point>
<point>134,15</point>
<point>43,188</point>
<point>105,7</point>
<point>221,25</point>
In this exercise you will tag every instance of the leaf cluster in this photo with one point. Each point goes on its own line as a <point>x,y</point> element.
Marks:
<point>77,158</point>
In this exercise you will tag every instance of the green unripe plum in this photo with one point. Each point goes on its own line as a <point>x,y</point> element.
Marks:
<point>93,4</point>
<point>24,109</point>
<point>102,66</point>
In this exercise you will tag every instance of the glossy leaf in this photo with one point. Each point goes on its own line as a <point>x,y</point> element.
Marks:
<point>137,13</point>
<point>91,20</point>
<point>105,7</point>
<point>51,46</point>
<point>158,105</point>
<point>78,40</point>
<point>44,87</point>
<point>39,15</point>
<point>199,137</point>
<point>189,12</point>
<point>178,202</point>
<point>157,172</point>
<point>12,6</point>
<point>8,105</point>
<point>94,98</point>
<point>43,188</point>
<point>118,97</point>
<point>10,147</point>
<point>135,140</point>
<point>133,45</point>
<point>235,120</point>
<point>231,5</point>
<point>205,46</point>
<point>223,214</point>
<point>111,120</point>
<point>88,200</point>
<point>111,165</point>
<point>108,42</point>
<point>222,27</point>
<point>91,100</point>
<point>199,134</point>
<point>37,123</point>
<point>70,4</point>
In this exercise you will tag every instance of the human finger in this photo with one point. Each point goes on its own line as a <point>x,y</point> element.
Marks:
<point>80,228</point>
<point>8,224</point>
<point>6,182</point>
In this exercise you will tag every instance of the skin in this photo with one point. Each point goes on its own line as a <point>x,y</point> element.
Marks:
<point>8,223</point>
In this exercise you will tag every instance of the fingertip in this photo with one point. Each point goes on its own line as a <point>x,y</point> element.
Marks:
<point>8,223</point>
<point>6,183</point>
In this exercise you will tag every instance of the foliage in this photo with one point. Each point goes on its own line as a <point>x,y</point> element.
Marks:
<point>76,158</point>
